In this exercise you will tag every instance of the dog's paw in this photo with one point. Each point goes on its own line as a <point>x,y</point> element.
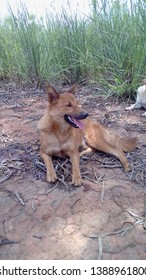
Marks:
<point>52,177</point>
<point>127,167</point>
<point>128,108</point>
<point>77,181</point>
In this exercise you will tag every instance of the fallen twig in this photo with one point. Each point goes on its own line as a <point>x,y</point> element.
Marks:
<point>99,248</point>
<point>52,189</point>
<point>19,198</point>
<point>102,193</point>
<point>5,241</point>
<point>7,176</point>
<point>33,206</point>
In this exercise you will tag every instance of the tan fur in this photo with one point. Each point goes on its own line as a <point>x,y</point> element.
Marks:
<point>59,138</point>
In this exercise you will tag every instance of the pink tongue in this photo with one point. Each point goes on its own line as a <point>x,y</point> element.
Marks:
<point>78,123</point>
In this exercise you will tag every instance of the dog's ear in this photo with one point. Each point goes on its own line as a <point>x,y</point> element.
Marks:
<point>73,89</point>
<point>52,94</point>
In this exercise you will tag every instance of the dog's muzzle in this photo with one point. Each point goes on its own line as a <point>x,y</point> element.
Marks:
<point>75,120</point>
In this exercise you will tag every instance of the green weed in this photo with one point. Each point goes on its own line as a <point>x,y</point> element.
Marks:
<point>108,46</point>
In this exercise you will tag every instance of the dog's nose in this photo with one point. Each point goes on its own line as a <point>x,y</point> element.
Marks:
<point>81,116</point>
<point>85,115</point>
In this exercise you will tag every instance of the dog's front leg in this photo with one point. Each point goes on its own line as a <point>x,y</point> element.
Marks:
<point>144,114</point>
<point>137,105</point>
<point>51,174</point>
<point>76,175</point>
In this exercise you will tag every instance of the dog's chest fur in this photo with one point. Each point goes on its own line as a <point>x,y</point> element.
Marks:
<point>62,139</point>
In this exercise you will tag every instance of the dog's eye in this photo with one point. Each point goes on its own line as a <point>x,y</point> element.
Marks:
<point>69,105</point>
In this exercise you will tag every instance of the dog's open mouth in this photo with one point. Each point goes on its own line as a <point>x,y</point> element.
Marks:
<point>75,121</point>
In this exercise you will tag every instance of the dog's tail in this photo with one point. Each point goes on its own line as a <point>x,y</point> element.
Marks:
<point>125,144</point>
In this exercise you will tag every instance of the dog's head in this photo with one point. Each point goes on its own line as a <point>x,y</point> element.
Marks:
<point>65,107</point>
<point>144,82</point>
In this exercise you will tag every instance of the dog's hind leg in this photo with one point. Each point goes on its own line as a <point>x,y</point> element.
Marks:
<point>119,154</point>
<point>51,174</point>
<point>103,146</point>
<point>107,148</point>
<point>88,150</point>
<point>101,138</point>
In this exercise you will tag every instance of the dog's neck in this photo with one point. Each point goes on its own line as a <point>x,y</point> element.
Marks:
<point>57,127</point>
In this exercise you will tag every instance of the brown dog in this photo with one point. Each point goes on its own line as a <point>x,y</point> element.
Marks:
<point>65,127</point>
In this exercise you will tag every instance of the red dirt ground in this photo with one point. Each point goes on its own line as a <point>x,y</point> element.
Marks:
<point>103,219</point>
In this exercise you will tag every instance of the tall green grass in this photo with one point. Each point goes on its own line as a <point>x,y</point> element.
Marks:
<point>107,47</point>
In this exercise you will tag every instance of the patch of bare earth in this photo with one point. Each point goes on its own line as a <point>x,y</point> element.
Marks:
<point>103,219</point>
